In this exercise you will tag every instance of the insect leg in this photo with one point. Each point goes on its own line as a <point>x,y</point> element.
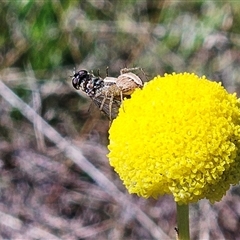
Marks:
<point>98,73</point>
<point>107,71</point>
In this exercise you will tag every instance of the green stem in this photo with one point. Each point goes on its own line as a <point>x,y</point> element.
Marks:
<point>183,222</point>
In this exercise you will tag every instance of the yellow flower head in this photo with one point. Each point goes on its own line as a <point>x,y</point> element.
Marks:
<point>180,134</point>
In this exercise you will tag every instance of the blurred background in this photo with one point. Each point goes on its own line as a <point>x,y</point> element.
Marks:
<point>55,179</point>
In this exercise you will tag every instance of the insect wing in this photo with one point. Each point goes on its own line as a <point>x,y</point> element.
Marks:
<point>109,107</point>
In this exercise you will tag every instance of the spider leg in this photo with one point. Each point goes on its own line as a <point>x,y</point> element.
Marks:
<point>121,97</point>
<point>103,101</point>
<point>110,106</point>
<point>126,70</point>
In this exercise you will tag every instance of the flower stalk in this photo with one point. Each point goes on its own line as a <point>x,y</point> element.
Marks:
<point>183,221</point>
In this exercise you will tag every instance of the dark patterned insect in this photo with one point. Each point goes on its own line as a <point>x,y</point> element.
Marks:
<point>107,93</point>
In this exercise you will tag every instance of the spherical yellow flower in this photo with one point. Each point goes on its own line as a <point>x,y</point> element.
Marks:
<point>180,134</point>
